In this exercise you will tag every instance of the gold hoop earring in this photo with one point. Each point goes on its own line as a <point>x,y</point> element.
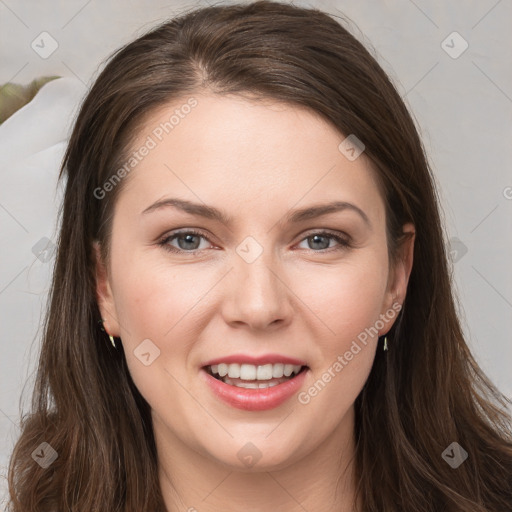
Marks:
<point>110,337</point>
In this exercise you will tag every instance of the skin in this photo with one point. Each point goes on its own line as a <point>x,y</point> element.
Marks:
<point>255,161</point>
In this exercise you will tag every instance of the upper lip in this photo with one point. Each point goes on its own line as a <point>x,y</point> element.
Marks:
<point>255,360</point>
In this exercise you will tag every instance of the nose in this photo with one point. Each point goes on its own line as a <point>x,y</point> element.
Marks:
<point>257,295</point>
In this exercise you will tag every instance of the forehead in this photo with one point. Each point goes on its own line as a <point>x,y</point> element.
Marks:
<point>245,153</point>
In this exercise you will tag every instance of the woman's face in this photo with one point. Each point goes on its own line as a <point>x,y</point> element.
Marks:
<point>265,280</point>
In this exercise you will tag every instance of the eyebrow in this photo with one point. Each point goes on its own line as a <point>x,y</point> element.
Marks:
<point>293,217</point>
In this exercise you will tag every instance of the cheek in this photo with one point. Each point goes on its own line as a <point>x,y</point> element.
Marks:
<point>152,296</point>
<point>153,302</point>
<point>346,299</point>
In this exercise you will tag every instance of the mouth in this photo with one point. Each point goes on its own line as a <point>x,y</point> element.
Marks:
<point>253,387</point>
<point>249,376</point>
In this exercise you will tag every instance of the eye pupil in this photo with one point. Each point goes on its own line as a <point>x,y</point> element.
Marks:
<point>316,237</point>
<point>187,237</point>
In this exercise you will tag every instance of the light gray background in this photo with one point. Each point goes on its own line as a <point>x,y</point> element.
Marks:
<point>463,107</point>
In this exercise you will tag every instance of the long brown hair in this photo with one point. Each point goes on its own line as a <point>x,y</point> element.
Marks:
<point>423,394</point>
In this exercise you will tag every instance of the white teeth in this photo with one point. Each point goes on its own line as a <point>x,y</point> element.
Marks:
<point>267,384</point>
<point>234,371</point>
<point>248,372</point>
<point>253,372</point>
<point>250,385</point>
<point>277,370</point>
<point>288,369</point>
<point>223,369</point>
<point>264,372</point>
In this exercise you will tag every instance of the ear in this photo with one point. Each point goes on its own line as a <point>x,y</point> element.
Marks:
<point>104,295</point>
<point>399,275</point>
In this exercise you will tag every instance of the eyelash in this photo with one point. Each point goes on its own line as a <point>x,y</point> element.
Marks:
<point>164,243</point>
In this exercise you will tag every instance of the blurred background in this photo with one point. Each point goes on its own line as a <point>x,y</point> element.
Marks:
<point>449,60</point>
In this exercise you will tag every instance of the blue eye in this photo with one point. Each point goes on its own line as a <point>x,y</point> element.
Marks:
<point>316,238</point>
<point>188,241</point>
<point>188,244</point>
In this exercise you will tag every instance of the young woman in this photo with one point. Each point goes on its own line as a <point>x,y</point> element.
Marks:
<point>251,306</point>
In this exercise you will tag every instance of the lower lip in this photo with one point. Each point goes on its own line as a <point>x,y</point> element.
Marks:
<point>255,399</point>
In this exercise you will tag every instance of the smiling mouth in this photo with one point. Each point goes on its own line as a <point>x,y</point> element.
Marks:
<point>250,376</point>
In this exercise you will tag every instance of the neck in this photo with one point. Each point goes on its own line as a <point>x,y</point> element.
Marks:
<point>323,481</point>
